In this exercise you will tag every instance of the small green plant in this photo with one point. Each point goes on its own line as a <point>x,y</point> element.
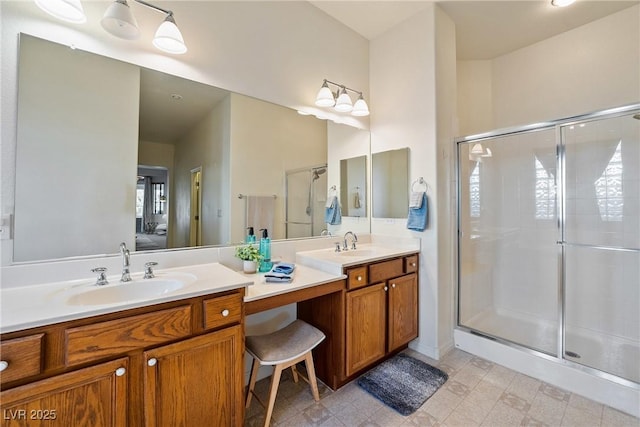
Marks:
<point>248,253</point>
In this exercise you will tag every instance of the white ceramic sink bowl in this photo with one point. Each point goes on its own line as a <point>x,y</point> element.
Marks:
<point>135,290</point>
<point>358,253</point>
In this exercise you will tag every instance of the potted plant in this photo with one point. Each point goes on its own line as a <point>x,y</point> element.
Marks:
<point>250,256</point>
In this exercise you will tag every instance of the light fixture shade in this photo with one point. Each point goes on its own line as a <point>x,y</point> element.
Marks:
<point>168,38</point>
<point>562,3</point>
<point>325,96</point>
<point>477,149</point>
<point>120,22</point>
<point>67,10</point>
<point>360,108</point>
<point>343,103</point>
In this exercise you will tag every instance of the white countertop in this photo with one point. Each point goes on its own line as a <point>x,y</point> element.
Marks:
<point>37,305</point>
<point>304,277</point>
<point>25,307</point>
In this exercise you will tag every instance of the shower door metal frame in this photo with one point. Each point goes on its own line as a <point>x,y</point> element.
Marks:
<point>561,221</point>
<point>309,169</point>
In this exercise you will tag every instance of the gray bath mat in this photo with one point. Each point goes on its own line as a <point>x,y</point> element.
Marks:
<point>403,383</point>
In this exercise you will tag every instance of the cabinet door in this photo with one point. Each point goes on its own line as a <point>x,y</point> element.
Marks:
<point>94,396</point>
<point>366,326</point>
<point>403,310</point>
<point>196,382</point>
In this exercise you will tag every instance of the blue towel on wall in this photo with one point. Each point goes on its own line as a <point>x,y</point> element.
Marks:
<point>333,213</point>
<point>417,219</point>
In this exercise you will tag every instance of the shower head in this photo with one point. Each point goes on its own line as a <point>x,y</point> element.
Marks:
<point>317,172</point>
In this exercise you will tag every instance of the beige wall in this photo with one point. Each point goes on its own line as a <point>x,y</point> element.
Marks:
<point>55,119</point>
<point>265,134</point>
<point>592,67</point>
<point>205,147</point>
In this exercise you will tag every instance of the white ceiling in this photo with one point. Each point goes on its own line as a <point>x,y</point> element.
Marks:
<point>484,29</point>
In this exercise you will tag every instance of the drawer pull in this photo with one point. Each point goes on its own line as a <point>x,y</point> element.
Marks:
<point>413,264</point>
<point>152,361</point>
<point>120,372</point>
<point>393,285</point>
<point>225,312</point>
<point>359,278</point>
<point>3,365</point>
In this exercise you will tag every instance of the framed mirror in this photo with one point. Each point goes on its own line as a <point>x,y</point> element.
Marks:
<point>390,183</point>
<point>118,152</point>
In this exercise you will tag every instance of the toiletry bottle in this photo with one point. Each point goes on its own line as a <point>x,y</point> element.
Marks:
<point>251,238</point>
<point>265,251</point>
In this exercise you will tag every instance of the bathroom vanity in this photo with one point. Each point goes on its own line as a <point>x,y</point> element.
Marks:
<point>372,318</point>
<point>73,355</point>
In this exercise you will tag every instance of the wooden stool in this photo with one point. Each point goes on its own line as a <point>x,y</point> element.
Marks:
<point>283,348</point>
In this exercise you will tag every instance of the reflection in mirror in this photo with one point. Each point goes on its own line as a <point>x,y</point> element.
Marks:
<point>353,184</point>
<point>390,183</point>
<point>116,154</point>
<point>344,144</point>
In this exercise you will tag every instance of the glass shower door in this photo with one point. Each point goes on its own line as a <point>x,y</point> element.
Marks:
<point>602,245</point>
<point>508,253</point>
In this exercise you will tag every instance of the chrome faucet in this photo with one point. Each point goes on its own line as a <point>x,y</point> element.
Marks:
<point>126,276</point>
<point>353,240</point>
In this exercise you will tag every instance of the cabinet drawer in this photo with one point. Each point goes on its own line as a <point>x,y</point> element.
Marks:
<point>86,343</point>
<point>382,271</point>
<point>411,263</point>
<point>22,357</point>
<point>357,277</point>
<point>222,310</point>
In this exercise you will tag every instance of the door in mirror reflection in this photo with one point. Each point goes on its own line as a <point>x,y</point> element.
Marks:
<point>390,183</point>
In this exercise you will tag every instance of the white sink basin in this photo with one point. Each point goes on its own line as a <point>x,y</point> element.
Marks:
<point>135,290</point>
<point>357,253</point>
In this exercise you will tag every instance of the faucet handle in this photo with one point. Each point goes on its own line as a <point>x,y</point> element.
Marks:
<point>148,269</point>
<point>102,276</point>
<point>337,246</point>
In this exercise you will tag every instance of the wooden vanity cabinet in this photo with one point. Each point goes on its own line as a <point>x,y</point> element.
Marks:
<point>371,320</point>
<point>176,363</point>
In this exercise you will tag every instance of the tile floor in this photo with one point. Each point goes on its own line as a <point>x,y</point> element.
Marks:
<point>478,393</point>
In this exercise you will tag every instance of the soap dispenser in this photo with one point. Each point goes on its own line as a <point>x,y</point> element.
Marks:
<point>265,251</point>
<point>251,238</point>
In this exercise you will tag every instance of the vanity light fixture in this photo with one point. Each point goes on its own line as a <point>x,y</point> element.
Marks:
<point>120,22</point>
<point>562,3</point>
<point>340,100</point>
<point>67,10</point>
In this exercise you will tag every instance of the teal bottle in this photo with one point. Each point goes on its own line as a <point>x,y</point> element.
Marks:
<point>251,238</point>
<point>265,251</point>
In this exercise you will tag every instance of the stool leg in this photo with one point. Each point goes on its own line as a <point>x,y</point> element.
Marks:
<point>275,381</point>
<point>311,373</point>
<point>255,367</point>
<point>294,371</point>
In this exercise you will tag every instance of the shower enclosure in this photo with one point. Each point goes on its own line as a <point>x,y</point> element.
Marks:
<point>306,194</point>
<point>549,240</point>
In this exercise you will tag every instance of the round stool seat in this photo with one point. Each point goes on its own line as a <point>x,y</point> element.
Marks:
<point>286,344</point>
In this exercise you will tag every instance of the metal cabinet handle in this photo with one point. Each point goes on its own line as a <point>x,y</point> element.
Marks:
<point>386,289</point>
<point>152,361</point>
<point>393,285</point>
<point>225,312</point>
<point>3,365</point>
<point>359,278</point>
<point>413,264</point>
<point>121,371</point>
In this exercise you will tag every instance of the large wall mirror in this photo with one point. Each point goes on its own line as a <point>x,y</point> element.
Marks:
<point>108,152</point>
<point>390,183</point>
